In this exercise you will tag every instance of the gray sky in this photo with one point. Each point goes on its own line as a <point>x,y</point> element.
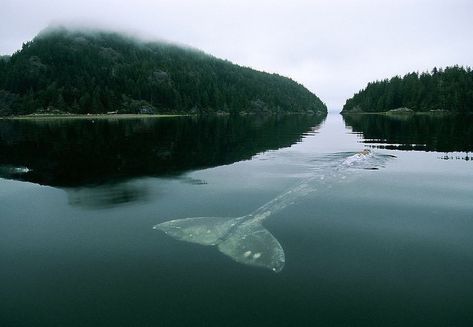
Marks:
<point>333,47</point>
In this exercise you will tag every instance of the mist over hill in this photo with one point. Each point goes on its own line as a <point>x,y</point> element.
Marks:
<point>97,71</point>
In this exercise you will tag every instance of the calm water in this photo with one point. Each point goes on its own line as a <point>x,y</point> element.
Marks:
<point>385,247</point>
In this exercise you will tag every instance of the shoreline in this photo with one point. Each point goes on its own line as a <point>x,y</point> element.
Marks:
<point>91,116</point>
<point>413,113</point>
<point>139,116</point>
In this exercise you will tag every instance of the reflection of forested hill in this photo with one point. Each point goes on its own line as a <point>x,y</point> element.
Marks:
<point>81,152</point>
<point>445,133</point>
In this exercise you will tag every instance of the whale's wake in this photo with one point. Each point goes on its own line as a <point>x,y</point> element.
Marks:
<point>244,239</point>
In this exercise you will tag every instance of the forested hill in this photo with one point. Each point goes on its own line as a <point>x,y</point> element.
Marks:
<point>96,72</point>
<point>450,89</point>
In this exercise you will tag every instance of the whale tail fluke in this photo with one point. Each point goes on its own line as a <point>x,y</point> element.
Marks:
<point>200,230</point>
<point>252,244</point>
<point>244,241</point>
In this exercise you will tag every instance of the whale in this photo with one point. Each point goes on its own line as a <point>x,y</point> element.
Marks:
<point>244,239</point>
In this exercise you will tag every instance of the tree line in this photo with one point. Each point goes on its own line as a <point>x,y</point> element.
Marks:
<point>449,89</point>
<point>97,72</point>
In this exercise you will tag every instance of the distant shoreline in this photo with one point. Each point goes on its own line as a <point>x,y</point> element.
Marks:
<point>90,116</point>
<point>141,116</point>
<point>413,113</point>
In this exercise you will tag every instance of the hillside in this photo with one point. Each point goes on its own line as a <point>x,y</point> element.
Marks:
<point>64,70</point>
<point>449,90</point>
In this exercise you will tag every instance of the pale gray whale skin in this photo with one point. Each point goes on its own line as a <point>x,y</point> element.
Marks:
<point>245,239</point>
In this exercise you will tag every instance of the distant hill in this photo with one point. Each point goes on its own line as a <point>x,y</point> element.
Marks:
<point>64,70</point>
<point>449,89</point>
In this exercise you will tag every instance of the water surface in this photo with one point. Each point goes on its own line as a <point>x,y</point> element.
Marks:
<point>386,247</point>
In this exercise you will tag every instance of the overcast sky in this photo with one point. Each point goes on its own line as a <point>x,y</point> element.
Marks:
<point>333,47</point>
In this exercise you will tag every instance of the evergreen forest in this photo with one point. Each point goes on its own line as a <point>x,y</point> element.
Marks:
<point>92,72</point>
<point>449,89</point>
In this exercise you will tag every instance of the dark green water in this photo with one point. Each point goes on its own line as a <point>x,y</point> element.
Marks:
<point>386,247</point>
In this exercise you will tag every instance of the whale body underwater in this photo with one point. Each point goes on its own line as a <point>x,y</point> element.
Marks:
<point>244,239</point>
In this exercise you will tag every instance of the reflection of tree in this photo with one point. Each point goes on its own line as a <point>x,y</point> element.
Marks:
<point>83,152</point>
<point>466,157</point>
<point>106,196</point>
<point>443,133</point>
